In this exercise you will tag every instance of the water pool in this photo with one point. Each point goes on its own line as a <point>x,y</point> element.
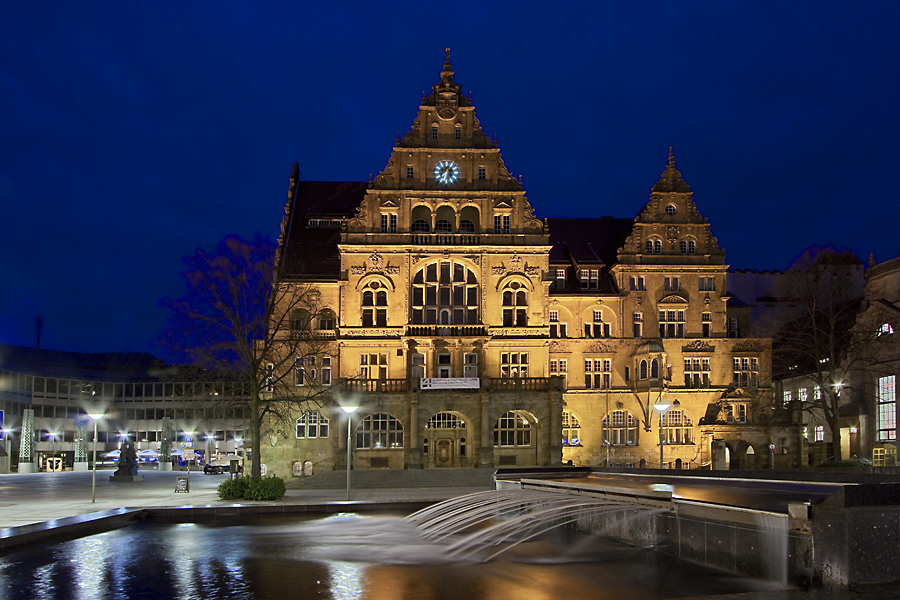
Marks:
<point>342,557</point>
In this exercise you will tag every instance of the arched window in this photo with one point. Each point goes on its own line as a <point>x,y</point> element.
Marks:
<point>512,430</point>
<point>643,369</point>
<point>571,429</point>
<point>445,420</point>
<point>515,305</point>
<point>420,226</point>
<point>380,431</point>
<point>688,246</point>
<point>466,226</point>
<point>374,302</point>
<point>446,289</point>
<point>443,226</point>
<point>649,246</point>
<point>657,246</point>
<point>654,369</point>
<point>312,425</point>
<point>620,429</point>
<point>671,209</point>
<point>677,427</point>
<point>300,319</point>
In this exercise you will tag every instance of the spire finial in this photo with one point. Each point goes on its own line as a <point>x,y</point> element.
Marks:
<point>447,61</point>
<point>671,158</point>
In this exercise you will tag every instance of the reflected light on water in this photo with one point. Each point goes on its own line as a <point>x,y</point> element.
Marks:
<point>346,580</point>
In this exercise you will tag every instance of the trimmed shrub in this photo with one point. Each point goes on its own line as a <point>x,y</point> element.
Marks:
<point>246,488</point>
<point>233,489</point>
<point>849,462</point>
<point>267,488</point>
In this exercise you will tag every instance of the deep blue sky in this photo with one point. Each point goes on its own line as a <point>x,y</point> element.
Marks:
<point>132,133</point>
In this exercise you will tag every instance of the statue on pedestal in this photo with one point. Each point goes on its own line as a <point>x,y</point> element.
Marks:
<point>128,464</point>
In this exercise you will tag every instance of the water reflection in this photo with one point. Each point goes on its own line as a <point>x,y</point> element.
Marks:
<point>371,558</point>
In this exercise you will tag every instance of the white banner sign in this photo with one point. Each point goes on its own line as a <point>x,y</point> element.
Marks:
<point>450,383</point>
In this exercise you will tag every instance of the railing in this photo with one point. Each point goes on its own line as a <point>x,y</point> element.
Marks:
<point>322,334</point>
<point>519,384</point>
<point>446,330</point>
<point>445,239</point>
<point>376,385</point>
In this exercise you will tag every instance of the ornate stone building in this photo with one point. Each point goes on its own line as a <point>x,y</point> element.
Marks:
<point>473,334</point>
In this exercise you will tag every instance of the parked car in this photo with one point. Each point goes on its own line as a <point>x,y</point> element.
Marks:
<point>222,465</point>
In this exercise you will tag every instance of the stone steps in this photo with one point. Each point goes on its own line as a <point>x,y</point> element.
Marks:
<point>395,478</point>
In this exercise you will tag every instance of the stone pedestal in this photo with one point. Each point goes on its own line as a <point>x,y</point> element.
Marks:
<point>126,478</point>
<point>80,466</point>
<point>26,468</point>
<point>164,466</point>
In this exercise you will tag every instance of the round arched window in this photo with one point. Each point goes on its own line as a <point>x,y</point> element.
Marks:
<point>671,209</point>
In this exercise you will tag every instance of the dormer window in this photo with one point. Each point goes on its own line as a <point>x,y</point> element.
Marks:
<point>434,133</point>
<point>410,172</point>
<point>482,173</point>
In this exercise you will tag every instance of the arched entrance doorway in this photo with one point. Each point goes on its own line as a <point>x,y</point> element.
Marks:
<point>444,441</point>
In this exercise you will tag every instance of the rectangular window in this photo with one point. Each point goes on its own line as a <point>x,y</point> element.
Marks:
<point>632,284</point>
<point>457,133</point>
<point>506,227</point>
<point>820,433</point>
<point>746,372</point>
<point>482,173</point>
<point>560,279</point>
<point>471,365</point>
<point>595,279</point>
<point>707,324</point>
<point>497,224</point>
<point>637,324</point>
<point>696,373</point>
<point>559,368</point>
<point>444,365</point>
<point>326,370</point>
<point>434,133</point>
<point>410,172</point>
<point>707,284</point>
<point>392,228</point>
<point>513,364</point>
<point>671,323</point>
<point>786,400</point>
<point>417,365</point>
<point>886,401</point>
<point>802,395</point>
<point>584,276</point>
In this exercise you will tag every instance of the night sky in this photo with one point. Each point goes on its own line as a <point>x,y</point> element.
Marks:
<point>133,133</point>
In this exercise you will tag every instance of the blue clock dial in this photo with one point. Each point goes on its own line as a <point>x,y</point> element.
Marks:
<point>446,172</point>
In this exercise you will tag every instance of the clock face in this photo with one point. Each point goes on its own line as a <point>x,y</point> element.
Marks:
<point>446,172</point>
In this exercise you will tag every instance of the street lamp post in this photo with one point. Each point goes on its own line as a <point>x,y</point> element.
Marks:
<point>349,410</point>
<point>189,435</point>
<point>662,407</point>
<point>96,417</point>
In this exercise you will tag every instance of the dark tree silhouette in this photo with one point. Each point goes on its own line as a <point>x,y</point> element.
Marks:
<point>235,321</point>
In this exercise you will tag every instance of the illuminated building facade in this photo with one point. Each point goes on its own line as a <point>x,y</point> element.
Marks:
<point>473,334</point>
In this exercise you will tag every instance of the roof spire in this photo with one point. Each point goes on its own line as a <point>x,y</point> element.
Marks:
<point>447,61</point>
<point>670,180</point>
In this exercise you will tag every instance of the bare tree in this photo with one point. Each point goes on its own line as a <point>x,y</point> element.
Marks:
<point>235,320</point>
<point>818,342</point>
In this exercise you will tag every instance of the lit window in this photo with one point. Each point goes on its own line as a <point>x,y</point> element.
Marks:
<point>677,427</point>
<point>885,329</point>
<point>312,425</point>
<point>380,431</point>
<point>786,401</point>
<point>819,433</point>
<point>560,279</point>
<point>746,372</point>
<point>515,306</point>
<point>513,364</point>
<point>597,373</point>
<point>886,402</point>
<point>445,293</point>
<point>445,420</point>
<point>571,429</point>
<point>620,429</point>
<point>512,429</point>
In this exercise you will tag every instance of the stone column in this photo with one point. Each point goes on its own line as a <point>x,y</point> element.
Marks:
<point>555,457</point>
<point>487,443</point>
<point>414,453</point>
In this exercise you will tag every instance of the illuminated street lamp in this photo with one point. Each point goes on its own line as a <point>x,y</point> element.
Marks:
<point>96,417</point>
<point>349,410</point>
<point>662,407</point>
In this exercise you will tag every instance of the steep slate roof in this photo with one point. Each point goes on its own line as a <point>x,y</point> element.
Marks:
<point>589,242</point>
<point>311,252</point>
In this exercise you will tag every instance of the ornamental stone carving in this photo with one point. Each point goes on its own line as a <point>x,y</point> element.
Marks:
<point>558,347</point>
<point>516,265</point>
<point>374,264</point>
<point>747,346</point>
<point>598,347</point>
<point>698,346</point>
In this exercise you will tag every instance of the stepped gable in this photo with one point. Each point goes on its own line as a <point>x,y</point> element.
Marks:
<point>671,180</point>
<point>311,252</point>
